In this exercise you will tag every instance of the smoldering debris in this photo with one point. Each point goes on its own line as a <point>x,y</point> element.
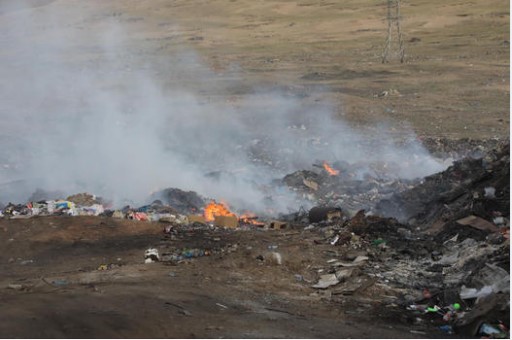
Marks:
<point>457,192</point>
<point>186,202</point>
<point>451,268</point>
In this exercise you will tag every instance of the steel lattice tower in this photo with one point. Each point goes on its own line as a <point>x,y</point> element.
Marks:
<point>394,20</point>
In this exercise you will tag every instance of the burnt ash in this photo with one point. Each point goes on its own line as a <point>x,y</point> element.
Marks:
<point>456,192</point>
<point>185,202</point>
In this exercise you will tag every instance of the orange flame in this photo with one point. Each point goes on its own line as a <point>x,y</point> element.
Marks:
<point>213,209</point>
<point>330,170</point>
<point>250,218</point>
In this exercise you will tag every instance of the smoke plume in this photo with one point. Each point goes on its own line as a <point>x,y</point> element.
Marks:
<point>103,111</point>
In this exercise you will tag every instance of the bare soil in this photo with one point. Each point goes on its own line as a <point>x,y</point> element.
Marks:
<point>53,285</point>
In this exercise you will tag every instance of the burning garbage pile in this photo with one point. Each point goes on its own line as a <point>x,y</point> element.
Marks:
<point>445,264</point>
<point>433,252</point>
<point>351,186</point>
<point>173,206</point>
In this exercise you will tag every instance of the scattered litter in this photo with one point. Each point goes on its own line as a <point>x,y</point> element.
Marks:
<point>356,262</point>
<point>335,240</point>
<point>151,255</point>
<point>326,280</point>
<point>275,258</point>
<point>499,221</point>
<point>60,282</point>
<point>489,192</point>
<point>15,286</point>
<point>184,254</point>
<point>486,329</point>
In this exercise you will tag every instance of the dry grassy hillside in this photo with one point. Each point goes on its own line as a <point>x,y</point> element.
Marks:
<point>455,81</point>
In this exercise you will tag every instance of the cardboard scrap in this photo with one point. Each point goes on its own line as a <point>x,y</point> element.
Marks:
<point>478,223</point>
<point>226,221</point>
<point>196,218</point>
<point>278,225</point>
<point>328,280</point>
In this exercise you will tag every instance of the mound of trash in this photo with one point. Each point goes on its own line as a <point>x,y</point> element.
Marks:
<point>432,251</point>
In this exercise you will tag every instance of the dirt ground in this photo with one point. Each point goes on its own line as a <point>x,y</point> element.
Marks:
<point>455,83</point>
<point>53,286</point>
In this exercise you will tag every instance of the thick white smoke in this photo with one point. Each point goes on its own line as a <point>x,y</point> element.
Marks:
<point>102,112</point>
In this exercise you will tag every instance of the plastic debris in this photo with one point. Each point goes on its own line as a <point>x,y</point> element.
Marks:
<point>478,223</point>
<point>448,329</point>
<point>486,329</point>
<point>183,254</point>
<point>490,192</point>
<point>434,309</point>
<point>60,282</point>
<point>151,255</point>
<point>326,280</point>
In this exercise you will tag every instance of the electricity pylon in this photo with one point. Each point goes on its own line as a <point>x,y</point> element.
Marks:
<point>394,19</point>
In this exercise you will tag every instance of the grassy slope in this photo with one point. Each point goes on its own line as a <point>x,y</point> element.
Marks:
<point>455,81</point>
